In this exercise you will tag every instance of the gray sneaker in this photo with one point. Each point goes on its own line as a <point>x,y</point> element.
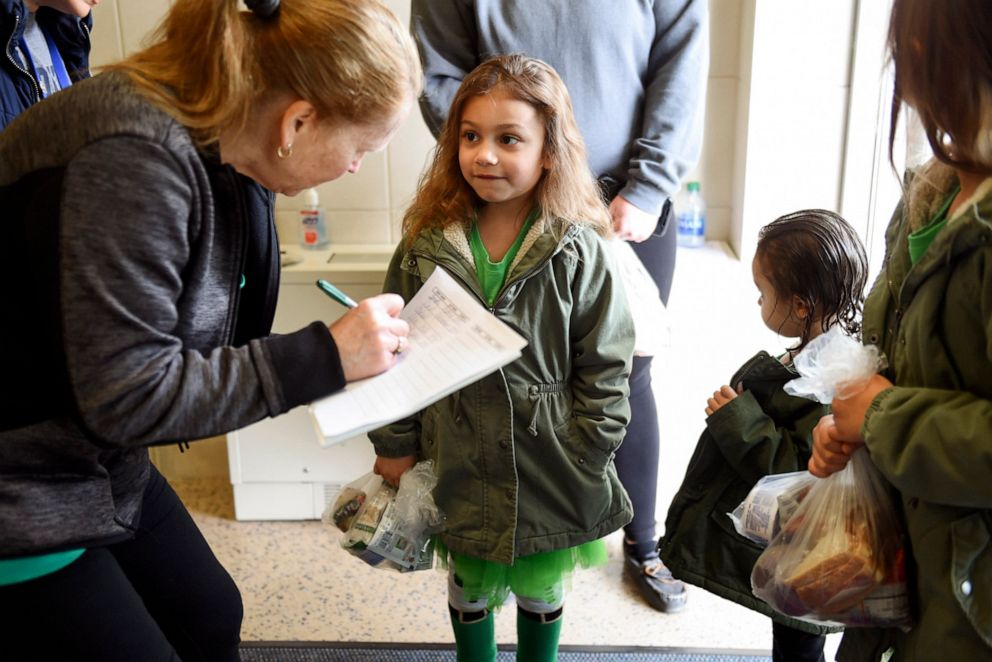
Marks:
<point>655,582</point>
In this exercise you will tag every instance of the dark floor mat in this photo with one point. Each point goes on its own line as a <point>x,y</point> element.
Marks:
<point>377,652</point>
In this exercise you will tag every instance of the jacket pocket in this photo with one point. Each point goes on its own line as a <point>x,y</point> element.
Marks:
<point>971,570</point>
<point>586,456</point>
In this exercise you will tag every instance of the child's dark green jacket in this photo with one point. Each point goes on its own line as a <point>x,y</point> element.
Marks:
<point>762,431</point>
<point>524,456</point>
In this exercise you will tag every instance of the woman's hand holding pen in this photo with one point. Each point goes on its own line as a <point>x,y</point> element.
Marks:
<point>370,336</point>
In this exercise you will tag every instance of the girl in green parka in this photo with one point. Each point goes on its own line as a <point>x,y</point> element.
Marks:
<point>926,421</point>
<point>524,456</point>
<point>810,269</point>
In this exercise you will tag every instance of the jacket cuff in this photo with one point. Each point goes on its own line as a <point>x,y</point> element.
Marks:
<point>876,404</point>
<point>307,364</point>
<point>731,417</point>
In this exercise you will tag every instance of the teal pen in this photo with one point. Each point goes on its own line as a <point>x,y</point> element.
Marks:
<point>335,293</point>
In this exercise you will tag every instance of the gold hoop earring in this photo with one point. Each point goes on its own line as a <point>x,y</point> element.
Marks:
<point>284,153</point>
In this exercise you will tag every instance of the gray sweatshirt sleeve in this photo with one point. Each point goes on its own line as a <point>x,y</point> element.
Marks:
<point>145,364</point>
<point>672,132</point>
<point>448,41</point>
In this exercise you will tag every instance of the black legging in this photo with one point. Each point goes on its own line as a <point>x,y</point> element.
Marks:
<point>637,459</point>
<point>160,596</point>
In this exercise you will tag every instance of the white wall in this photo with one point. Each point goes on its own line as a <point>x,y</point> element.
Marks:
<point>794,97</point>
<point>776,119</point>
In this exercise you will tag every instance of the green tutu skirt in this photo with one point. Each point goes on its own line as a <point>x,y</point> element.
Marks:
<point>539,576</point>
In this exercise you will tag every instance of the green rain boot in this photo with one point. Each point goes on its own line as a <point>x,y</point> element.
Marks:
<point>475,635</point>
<point>537,636</point>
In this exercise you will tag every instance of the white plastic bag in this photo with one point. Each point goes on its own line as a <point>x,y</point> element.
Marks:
<point>840,559</point>
<point>651,327</point>
<point>834,364</point>
<point>387,527</point>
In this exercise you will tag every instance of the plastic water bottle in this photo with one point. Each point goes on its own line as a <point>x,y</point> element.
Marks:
<point>313,228</point>
<point>691,213</point>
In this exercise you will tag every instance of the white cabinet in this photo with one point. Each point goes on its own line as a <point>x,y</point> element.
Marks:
<point>278,470</point>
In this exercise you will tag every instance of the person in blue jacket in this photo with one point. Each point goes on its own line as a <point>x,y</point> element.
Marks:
<point>46,49</point>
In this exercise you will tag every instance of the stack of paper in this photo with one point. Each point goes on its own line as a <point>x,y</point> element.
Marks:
<point>453,342</point>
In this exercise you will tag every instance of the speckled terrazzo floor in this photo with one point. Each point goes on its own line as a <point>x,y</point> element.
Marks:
<point>298,585</point>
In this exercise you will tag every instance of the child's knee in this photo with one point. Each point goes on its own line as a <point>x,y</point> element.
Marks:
<point>460,600</point>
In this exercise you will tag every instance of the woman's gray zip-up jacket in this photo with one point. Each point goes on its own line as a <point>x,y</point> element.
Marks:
<point>524,456</point>
<point>122,324</point>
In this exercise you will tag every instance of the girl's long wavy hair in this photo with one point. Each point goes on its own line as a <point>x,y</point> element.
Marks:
<point>816,255</point>
<point>209,64</point>
<point>566,193</point>
<point>942,53</point>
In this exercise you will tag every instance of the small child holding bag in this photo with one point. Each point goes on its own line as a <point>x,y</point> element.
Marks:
<point>810,269</point>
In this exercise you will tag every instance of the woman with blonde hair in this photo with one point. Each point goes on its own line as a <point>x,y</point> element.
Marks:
<point>140,203</point>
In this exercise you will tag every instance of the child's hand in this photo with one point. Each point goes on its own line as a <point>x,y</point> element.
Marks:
<point>719,399</point>
<point>391,468</point>
<point>830,452</point>
<point>849,413</point>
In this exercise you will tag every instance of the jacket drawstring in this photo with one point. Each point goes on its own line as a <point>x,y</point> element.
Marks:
<point>456,401</point>
<point>536,393</point>
<point>535,397</point>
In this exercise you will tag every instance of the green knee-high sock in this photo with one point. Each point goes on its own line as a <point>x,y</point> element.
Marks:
<point>475,641</point>
<point>536,641</point>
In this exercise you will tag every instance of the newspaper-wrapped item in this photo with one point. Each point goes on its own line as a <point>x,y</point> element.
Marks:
<point>770,504</point>
<point>386,527</point>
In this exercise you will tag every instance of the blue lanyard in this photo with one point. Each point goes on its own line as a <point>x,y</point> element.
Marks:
<point>57,62</point>
<point>60,71</point>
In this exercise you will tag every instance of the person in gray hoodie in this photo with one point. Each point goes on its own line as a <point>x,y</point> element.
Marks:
<point>139,270</point>
<point>636,72</point>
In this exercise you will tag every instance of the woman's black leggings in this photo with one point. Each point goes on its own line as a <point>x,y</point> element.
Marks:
<point>160,596</point>
<point>637,459</point>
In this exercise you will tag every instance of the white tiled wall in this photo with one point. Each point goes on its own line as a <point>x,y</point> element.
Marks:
<point>795,96</point>
<point>775,119</point>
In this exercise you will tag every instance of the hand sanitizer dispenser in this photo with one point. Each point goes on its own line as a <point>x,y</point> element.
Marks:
<point>313,227</point>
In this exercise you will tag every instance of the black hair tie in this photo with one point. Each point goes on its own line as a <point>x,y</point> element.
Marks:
<point>263,8</point>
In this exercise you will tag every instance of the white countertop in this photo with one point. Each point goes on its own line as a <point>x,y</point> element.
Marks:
<point>344,263</point>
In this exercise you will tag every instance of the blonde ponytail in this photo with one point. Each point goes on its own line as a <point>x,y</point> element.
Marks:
<point>210,63</point>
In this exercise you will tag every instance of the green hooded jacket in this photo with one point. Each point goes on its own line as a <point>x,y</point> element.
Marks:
<point>524,456</point>
<point>762,431</point>
<point>931,434</point>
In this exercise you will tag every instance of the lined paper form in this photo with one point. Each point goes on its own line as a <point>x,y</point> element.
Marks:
<point>453,342</point>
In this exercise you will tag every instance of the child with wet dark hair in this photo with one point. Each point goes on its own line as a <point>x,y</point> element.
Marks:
<point>810,269</point>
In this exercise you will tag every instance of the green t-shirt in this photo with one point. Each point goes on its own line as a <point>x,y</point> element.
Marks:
<point>920,240</point>
<point>14,571</point>
<point>491,274</point>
